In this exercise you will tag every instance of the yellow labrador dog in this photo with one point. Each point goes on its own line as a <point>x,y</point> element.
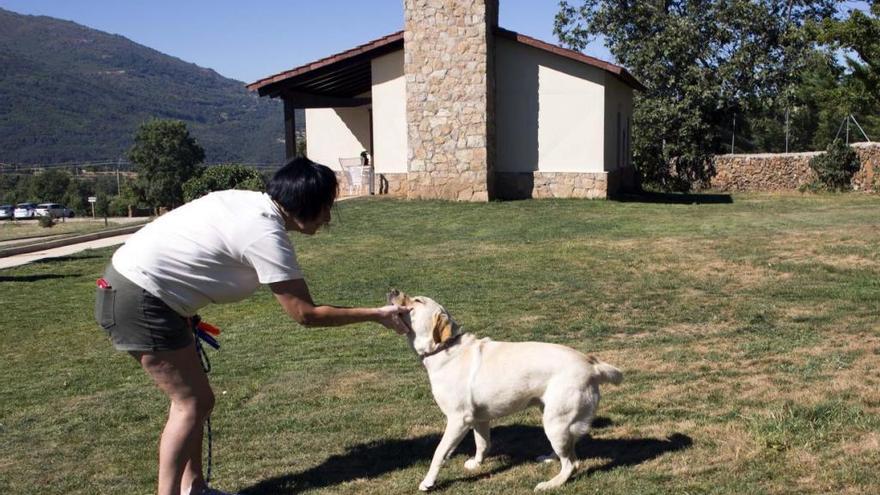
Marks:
<point>477,380</point>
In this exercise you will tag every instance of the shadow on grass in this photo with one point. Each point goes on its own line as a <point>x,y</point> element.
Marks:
<point>512,445</point>
<point>35,278</point>
<point>673,198</point>
<point>74,257</point>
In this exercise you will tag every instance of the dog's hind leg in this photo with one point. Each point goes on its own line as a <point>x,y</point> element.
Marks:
<point>456,429</point>
<point>481,439</point>
<point>557,428</point>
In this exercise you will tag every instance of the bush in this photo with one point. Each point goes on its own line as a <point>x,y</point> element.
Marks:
<point>222,177</point>
<point>129,197</point>
<point>835,168</point>
<point>46,221</point>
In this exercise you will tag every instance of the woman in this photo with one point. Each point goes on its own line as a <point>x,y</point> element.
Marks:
<point>218,248</point>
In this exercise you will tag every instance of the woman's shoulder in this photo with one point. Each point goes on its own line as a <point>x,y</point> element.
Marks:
<point>241,203</point>
<point>246,211</point>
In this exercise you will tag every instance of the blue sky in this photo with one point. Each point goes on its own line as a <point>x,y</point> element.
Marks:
<point>251,40</point>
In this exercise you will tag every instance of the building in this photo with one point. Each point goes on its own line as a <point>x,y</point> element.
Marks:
<point>455,107</point>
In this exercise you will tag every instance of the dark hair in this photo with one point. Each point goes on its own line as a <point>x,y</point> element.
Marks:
<point>303,188</point>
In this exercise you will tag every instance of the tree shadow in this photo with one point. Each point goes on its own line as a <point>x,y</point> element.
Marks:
<point>35,278</point>
<point>73,257</point>
<point>672,198</point>
<point>512,445</point>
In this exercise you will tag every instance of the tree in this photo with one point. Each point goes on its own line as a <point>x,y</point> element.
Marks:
<point>166,156</point>
<point>704,62</point>
<point>9,188</point>
<point>129,197</point>
<point>75,197</point>
<point>859,36</point>
<point>49,186</point>
<point>812,110</point>
<point>222,177</point>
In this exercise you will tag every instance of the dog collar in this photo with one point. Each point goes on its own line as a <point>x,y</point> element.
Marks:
<point>442,347</point>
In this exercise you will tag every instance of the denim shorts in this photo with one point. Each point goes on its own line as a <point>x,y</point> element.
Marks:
<point>136,320</point>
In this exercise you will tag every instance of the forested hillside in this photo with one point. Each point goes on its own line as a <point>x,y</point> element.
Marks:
<point>68,92</point>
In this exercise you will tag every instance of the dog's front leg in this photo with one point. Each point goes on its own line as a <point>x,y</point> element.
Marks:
<point>456,429</point>
<point>481,439</point>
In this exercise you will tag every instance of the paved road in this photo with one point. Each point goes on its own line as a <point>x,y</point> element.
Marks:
<point>22,259</point>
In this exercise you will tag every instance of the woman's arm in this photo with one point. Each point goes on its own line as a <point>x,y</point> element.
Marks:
<point>294,297</point>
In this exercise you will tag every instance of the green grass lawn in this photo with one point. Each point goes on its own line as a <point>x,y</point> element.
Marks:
<point>29,229</point>
<point>748,333</point>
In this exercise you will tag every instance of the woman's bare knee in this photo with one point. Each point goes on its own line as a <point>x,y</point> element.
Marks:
<point>199,405</point>
<point>180,376</point>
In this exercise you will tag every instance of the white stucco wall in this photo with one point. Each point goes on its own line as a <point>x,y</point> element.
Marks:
<point>550,111</point>
<point>333,133</point>
<point>389,114</point>
<point>618,109</point>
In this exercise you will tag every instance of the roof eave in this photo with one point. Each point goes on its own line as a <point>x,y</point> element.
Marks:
<point>269,85</point>
<point>622,74</point>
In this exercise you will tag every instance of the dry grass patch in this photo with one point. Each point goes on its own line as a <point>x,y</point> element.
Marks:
<point>837,248</point>
<point>350,383</point>
<point>864,445</point>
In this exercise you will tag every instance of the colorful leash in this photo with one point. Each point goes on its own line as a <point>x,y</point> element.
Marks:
<point>207,333</point>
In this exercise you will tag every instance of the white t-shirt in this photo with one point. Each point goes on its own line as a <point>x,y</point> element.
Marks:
<point>216,249</point>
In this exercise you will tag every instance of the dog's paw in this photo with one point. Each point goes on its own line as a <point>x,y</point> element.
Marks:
<point>471,464</point>
<point>547,458</point>
<point>423,486</point>
<point>544,485</point>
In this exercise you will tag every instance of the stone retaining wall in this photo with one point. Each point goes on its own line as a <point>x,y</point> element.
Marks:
<point>787,171</point>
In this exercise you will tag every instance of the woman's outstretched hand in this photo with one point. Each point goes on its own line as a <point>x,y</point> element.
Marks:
<point>396,318</point>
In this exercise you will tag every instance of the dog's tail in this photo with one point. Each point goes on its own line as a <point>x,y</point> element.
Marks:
<point>605,372</point>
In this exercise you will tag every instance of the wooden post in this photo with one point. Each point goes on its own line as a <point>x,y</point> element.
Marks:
<point>289,129</point>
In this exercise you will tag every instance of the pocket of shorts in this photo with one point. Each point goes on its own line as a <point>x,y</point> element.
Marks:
<point>105,302</point>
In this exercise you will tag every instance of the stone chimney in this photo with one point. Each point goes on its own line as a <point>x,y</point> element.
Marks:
<point>449,59</point>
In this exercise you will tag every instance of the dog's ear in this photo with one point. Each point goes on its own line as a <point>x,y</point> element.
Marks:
<point>442,327</point>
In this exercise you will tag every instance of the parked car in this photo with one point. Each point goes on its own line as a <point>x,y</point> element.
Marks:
<point>53,210</point>
<point>25,210</point>
<point>6,211</point>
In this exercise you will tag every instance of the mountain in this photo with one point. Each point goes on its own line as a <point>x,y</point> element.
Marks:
<point>71,93</point>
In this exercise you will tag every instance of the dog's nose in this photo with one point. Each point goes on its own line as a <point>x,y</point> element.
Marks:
<point>392,295</point>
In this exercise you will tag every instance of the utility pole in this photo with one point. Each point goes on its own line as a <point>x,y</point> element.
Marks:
<point>733,134</point>
<point>118,160</point>
<point>786,129</point>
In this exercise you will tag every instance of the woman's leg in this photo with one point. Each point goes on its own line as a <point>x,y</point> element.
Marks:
<point>193,478</point>
<point>180,376</point>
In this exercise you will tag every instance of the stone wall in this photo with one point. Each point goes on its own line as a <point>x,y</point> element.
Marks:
<point>391,184</point>
<point>522,185</point>
<point>448,57</point>
<point>868,177</point>
<point>786,171</point>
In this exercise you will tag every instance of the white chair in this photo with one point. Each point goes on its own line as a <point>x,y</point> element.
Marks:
<point>357,174</point>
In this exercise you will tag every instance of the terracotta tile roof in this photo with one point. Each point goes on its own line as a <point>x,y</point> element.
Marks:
<point>375,48</point>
